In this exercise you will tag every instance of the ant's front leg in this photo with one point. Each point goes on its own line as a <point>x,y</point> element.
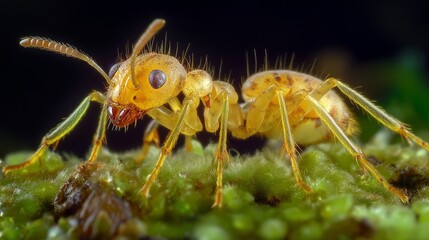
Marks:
<point>167,147</point>
<point>66,127</point>
<point>151,135</point>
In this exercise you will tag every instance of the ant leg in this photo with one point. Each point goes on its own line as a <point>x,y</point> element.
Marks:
<point>258,109</point>
<point>212,116</point>
<point>175,105</point>
<point>169,119</point>
<point>376,112</point>
<point>166,148</point>
<point>99,136</point>
<point>289,144</point>
<point>150,135</point>
<point>188,143</point>
<point>380,115</point>
<point>192,120</point>
<point>65,127</point>
<point>221,152</point>
<point>355,151</point>
<point>254,111</point>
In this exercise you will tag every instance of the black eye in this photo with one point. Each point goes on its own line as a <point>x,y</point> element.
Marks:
<point>113,69</point>
<point>157,78</point>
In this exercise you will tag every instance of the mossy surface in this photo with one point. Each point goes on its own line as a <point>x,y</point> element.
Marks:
<point>61,198</point>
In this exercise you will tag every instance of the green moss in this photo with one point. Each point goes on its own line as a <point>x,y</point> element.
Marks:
<point>273,229</point>
<point>260,197</point>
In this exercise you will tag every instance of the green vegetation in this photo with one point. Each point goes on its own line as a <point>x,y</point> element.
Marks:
<point>261,199</point>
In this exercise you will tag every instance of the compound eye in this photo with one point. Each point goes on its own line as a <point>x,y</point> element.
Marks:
<point>114,69</point>
<point>157,78</point>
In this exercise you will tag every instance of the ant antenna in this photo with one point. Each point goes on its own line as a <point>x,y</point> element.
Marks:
<point>153,28</point>
<point>64,49</point>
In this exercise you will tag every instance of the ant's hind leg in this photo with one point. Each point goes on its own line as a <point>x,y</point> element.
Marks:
<point>380,115</point>
<point>355,151</point>
<point>376,112</point>
<point>60,131</point>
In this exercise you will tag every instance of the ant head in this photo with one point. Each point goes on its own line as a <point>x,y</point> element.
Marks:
<point>143,81</point>
<point>159,77</point>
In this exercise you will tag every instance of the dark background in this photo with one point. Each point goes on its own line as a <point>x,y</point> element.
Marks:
<point>38,88</point>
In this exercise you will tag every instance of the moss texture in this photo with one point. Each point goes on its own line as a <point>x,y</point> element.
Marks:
<point>61,198</point>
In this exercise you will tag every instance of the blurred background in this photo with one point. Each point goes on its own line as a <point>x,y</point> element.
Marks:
<point>380,47</point>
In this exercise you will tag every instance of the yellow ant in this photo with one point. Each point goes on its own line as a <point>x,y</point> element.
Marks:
<point>296,107</point>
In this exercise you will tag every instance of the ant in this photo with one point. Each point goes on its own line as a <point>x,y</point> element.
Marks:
<point>295,107</point>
